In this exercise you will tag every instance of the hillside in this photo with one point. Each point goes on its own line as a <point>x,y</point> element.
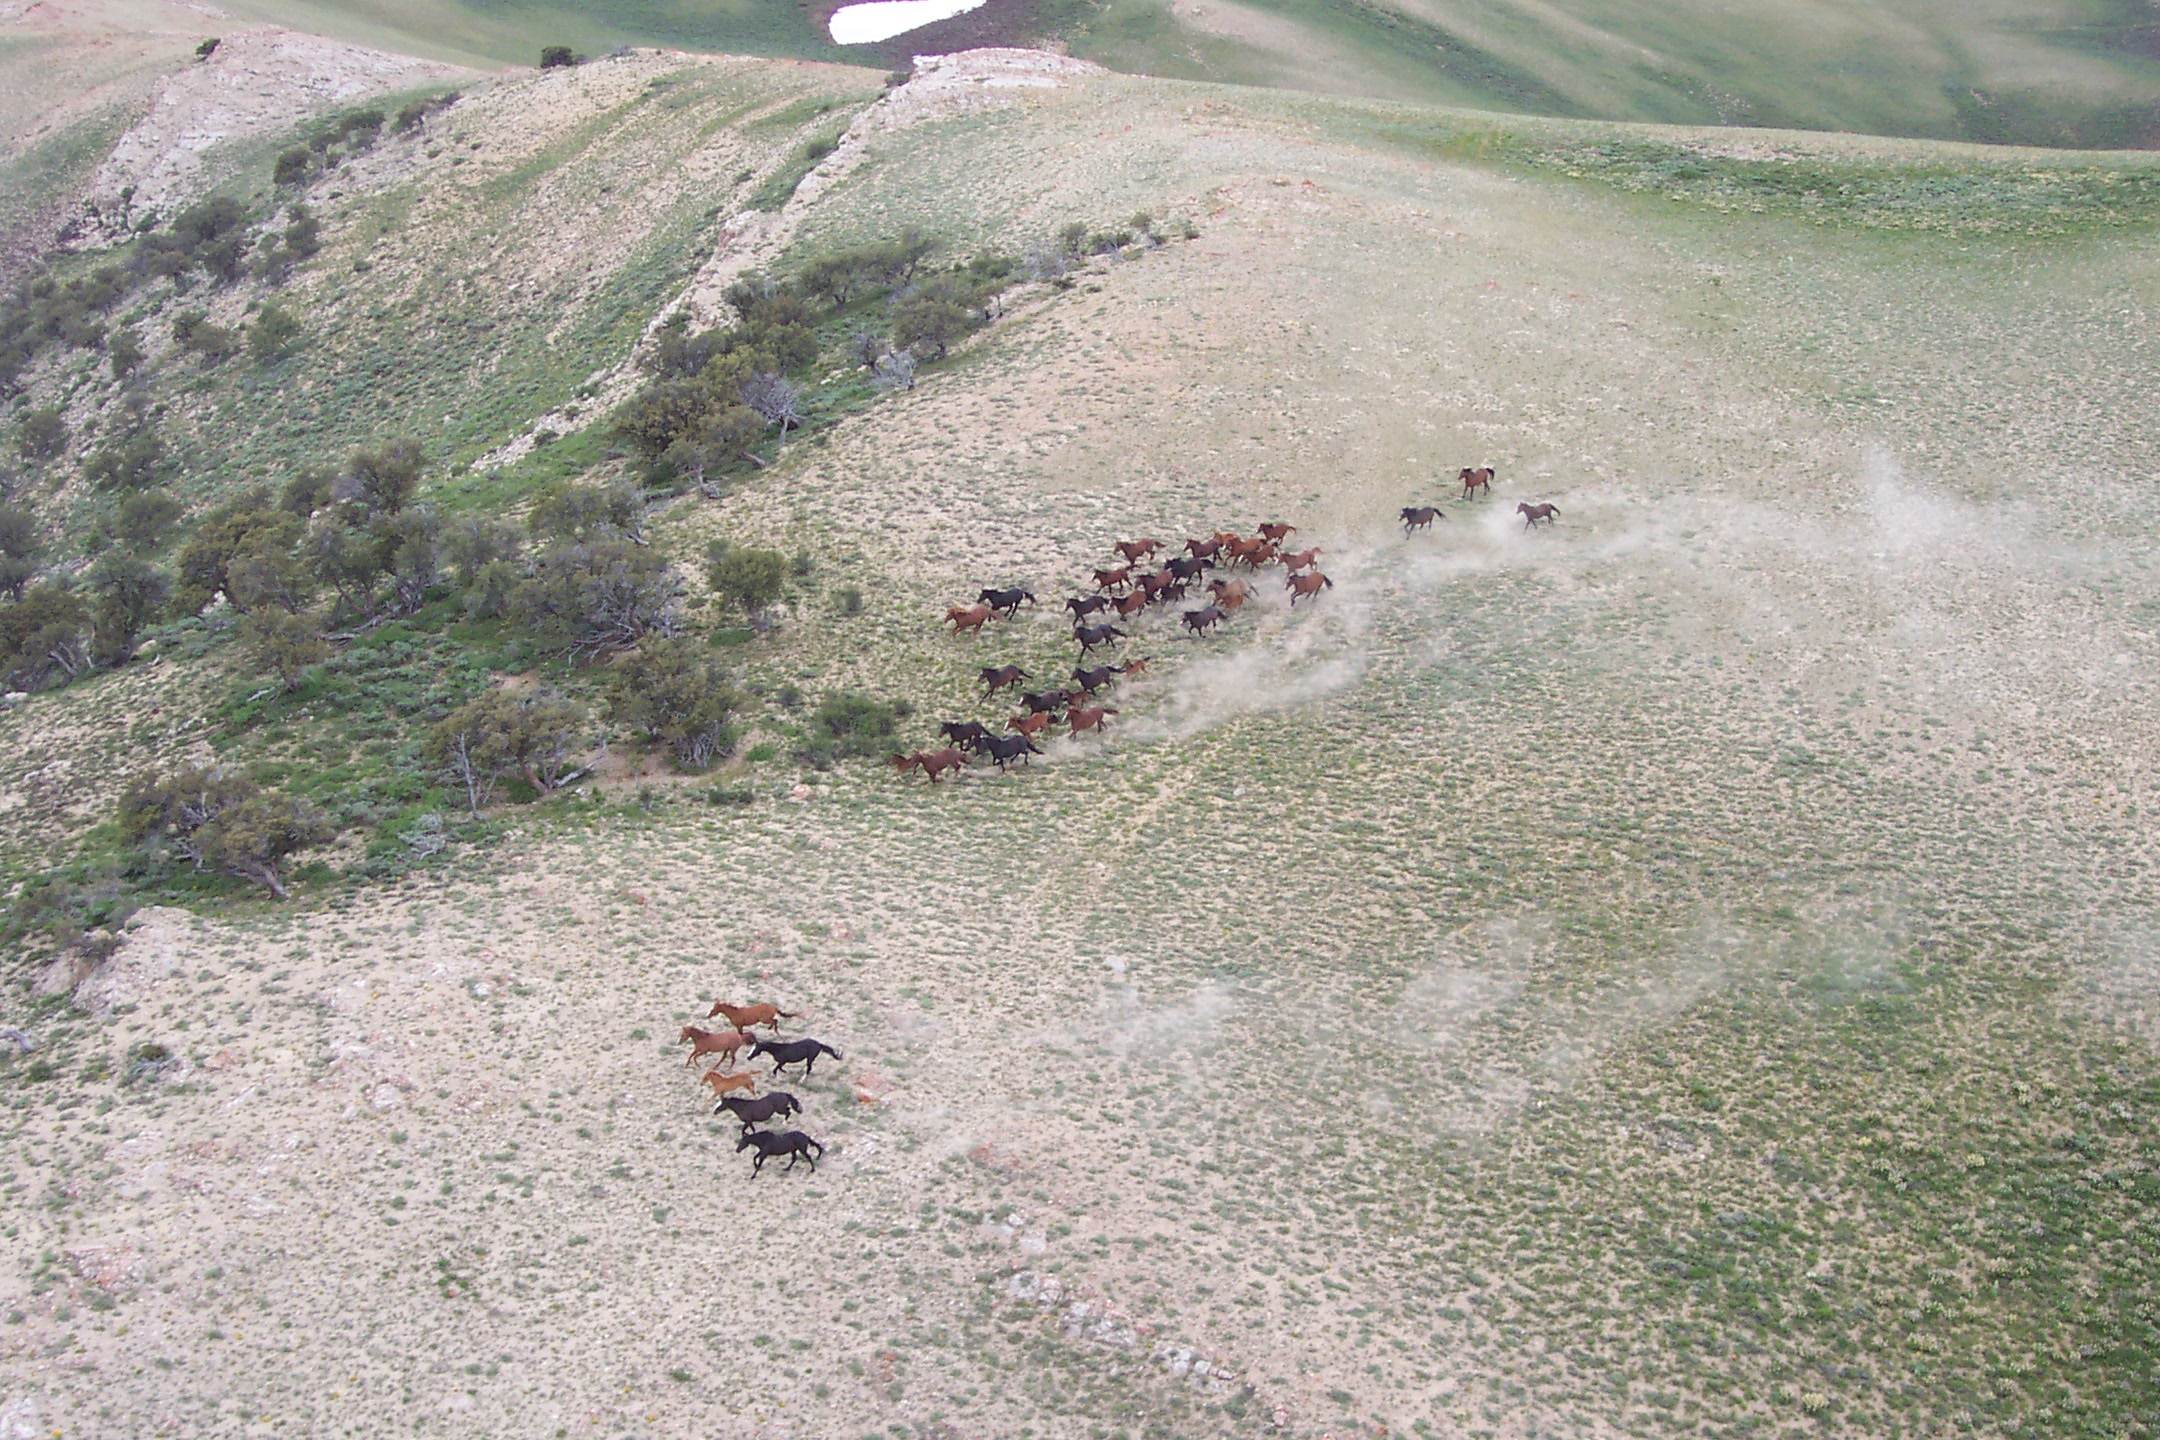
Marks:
<point>1685,968</point>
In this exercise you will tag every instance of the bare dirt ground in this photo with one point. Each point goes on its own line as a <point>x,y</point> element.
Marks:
<point>1686,970</point>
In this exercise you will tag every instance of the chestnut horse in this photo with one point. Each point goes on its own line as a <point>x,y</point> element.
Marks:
<point>743,1080</point>
<point>1479,478</point>
<point>1313,584</point>
<point>1113,579</point>
<point>1128,606</point>
<point>712,1042</point>
<point>1204,549</point>
<point>997,677</point>
<point>1033,724</point>
<point>742,1017</point>
<point>1089,717</point>
<point>1420,517</point>
<point>1277,532</point>
<point>1132,667</point>
<point>1135,551</point>
<point>1531,514</point>
<point>932,763</point>
<point>1303,560</point>
<point>968,617</point>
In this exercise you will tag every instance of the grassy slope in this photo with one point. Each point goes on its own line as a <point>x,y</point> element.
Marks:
<point>1684,969</point>
<point>2081,73</point>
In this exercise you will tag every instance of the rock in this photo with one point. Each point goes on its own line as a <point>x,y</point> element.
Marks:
<point>9,701</point>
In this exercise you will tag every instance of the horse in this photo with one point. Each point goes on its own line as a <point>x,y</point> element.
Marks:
<point>1091,636</point>
<point>758,1110</point>
<point>1254,552</point>
<point>968,617</point>
<point>1186,567</point>
<point>1133,667</point>
<point>1224,589</point>
<point>1089,717</point>
<point>743,1080</point>
<point>1420,517</point>
<point>1033,724</point>
<point>1198,621</point>
<point>793,1052</point>
<point>1303,560</point>
<point>967,734</point>
<point>1135,551</point>
<point>1095,679</point>
<point>1007,602</point>
<point>1479,478</point>
<point>711,1042</point>
<point>1004,749</point>
<point>1173,592</point>
<point>794,1144</point>
<point>1277,532</point>
<point>1084,606</point>
<point>743,1017</point>
<point>997,677</point>
<point>1128,606</point>
<point>1113,579</point>
<point>1303,585</point>
<point>1543,510</point>
<point>1204,549</point>
<point>932,763</point>
<point>1044,702</point>
<point>1152,585</point>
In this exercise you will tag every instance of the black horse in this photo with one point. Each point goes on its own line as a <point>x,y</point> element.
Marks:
<point>756,1112</point>
<point>1005,749</point>
<point>1090,636</point>
<point>1049,702</point>
<point>1095,679</point>
<point>1420,517</point>
<point>1007,602</point>
<point>1186,567</point>
<point>793,1144</point>
<point>1083,606</point>
<point>967,734</point>
<point>1198,621</point>
<point>793,1052</point>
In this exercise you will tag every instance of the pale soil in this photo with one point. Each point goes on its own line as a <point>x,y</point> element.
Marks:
<point>1334,1021</point>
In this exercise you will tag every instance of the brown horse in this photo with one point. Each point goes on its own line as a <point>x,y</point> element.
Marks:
<point>1224,589</point>
<point>1135,551</point>
<point>932,763</point>
<point>1113,579</point>
<point>1479,478</point>
<point>997,677</point>
<point>1128,606</point>
<point>1198,621</point>
<point>1133,667</point>
<point>1254,552</point>
<point>1089,717</point>
<point>1420,517</point>
<point>1543,510</point>
<point>1033,724</point>
<point>968,617</point>
<point>1153,585</point>
<point>743,1080</point>
<point>1204,549</point>
<point>1312,584</point>
<point>1277,532</point>
<point>1303,560</point>
<point>742,1017</point>
<point>711,1042</point>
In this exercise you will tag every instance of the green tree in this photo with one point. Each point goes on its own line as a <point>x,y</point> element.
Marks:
<point>724,436</point>
<point>473,543</point>
<point>307,492</point>
<point>225,822</point>
<point>292,166</point>
<point>384,480</point>
<point>575,513</point>
<point>144,521</point>
<point>131,592</point>
<point>44,434</point>
<point>193,331</point>
<point>126,352</point>
<point>249,525</point>
<point>264,569</point>
<point>748,579</point>
<point>557,57</point>
<point>131,461</point>
<point>45,636</point>
<point>22,540</point>
<point>671,692</point>
<point>274,335</point>
<point>660,414</point>
<point>347,559</point>
<point>585,600</point>
<point>531,735</point>
<point>933,318</point>
<point>410,543</point>
<point>284,645</point>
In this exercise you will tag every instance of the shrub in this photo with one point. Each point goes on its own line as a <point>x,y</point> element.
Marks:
<point>383,480</point>
<point>284,645</point>
<point>273,336</point>
<point>125,350</point>
<point>590,598</point>
<point>131,593</point>
<point>557,57</point>
<point>223,821</point>
<point>409,546</point>
<point>347,559</point>
<point>748,579</point>
<point>670,693</point>
<point>44,434</point>
<point>133,460</point>
<point>21,541</point>
<point>499,734</point>
<point>848,600</point>
<point>293,166</point>
<point>143,523</point>
<point>248,527</point>
<point>474,543</point>
<point>307,492</point>
<point>45,636</point>
<point>575,513</point>
<point>847,724</point>
<point>194,333</point>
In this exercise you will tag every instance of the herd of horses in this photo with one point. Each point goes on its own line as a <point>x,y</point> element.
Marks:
<point>1125,590</point>
<point>749,1108</point>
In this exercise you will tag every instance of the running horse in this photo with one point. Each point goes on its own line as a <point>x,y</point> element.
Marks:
<point>1543,510</point>
<point>1420,517</point>
<point>1304,585</point>
<point>1474,479</point>
<point>932,763</point>
<point>964,618</point>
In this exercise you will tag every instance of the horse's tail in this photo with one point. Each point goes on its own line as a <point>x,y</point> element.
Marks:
<point>1327,582</point>
<point>830,1051</point>
<point>787,1014</point>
